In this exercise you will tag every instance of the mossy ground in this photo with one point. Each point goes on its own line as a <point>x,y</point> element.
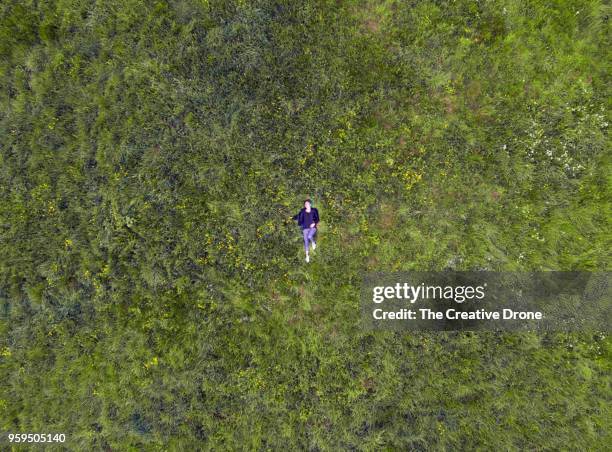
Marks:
<point>154,293</point>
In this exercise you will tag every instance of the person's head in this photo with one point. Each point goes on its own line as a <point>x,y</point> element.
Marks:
<point>307,203</point>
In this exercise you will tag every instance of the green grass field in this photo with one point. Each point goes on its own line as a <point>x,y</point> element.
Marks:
<point>153,289</point>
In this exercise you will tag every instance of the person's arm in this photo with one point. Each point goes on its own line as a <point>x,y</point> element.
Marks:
<point>315,217</point>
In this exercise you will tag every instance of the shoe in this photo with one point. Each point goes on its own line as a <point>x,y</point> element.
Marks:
<point>314,246</point>
<point>307,258</point>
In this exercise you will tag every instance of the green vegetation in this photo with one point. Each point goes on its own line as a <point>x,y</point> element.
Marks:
<point>152,284</point>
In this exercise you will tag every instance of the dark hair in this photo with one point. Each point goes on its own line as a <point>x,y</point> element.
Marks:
<point>307,200</point>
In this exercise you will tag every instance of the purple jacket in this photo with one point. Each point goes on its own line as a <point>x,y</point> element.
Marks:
<point>300,217</point>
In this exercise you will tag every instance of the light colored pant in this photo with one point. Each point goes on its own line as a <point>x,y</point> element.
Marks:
<point>308,237</point>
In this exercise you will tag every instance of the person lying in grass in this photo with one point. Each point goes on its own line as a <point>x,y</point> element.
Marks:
<point>308,219</point>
